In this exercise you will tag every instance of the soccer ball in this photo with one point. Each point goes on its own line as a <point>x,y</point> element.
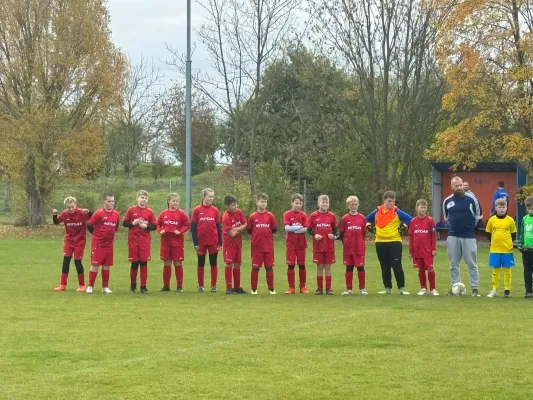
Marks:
<point>458,289</point>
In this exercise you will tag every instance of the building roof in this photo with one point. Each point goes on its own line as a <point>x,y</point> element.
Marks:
<point>481,167</point>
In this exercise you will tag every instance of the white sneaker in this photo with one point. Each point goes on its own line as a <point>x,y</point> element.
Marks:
<point>106,290</point>
<point>363,292</point>
<point>89,289</point>
<point>404,292</point>
<point>347,292</point>
<point>422,292</point>
<point>493,293</point>
<point>434,292</point>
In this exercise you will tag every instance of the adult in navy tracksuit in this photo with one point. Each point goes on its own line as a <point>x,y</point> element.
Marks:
<point>462,213</point>
<point>500,193</point>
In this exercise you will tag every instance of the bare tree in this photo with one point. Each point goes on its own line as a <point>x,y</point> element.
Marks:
<point>241,38</point>
<point>138,121</point>
<point>388,47</point>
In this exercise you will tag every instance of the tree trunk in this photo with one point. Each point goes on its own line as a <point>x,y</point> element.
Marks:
<point>131,179</point>
<point>35,203</point>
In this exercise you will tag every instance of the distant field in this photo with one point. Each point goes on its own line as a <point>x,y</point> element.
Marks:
<point>213,346</point>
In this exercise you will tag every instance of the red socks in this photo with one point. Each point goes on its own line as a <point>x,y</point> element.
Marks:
<point>228,274</point>
<point>328,282</point>
<point>144,275</point>
<point>431,278</point>
<point>362,279</point>
<point>236,278</point>
<point>64,278</point>
<point>270,279</point>
<point>92,277</point>
<point>214,275</point>
<point>200,273</point>
<point>320,282</point>
<point>349,279</point>
<point>303,276</point>
<point>81,279</point>
<point>290,277</point>
<point>255,278</point>
<point>105,278</point>
<point>179,275</point>
<point>422,277</point>
<point>167,273</point>
<point>133,276</point>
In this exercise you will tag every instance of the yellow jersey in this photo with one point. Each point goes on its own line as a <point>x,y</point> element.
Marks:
<point>500,230</point>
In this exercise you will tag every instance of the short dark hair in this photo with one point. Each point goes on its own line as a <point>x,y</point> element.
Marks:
<point>106,195</point>
<point>297,196</point>
<point>529,201</point>
<point>228,200</point>
<point>389,194</point>
<point>500,184</point>
<point>261,196</point>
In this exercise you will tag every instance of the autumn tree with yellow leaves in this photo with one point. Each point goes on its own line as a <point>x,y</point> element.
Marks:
<point>485,49</point>
<point>59,74</point>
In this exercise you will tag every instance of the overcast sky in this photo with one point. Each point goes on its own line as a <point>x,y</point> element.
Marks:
<point>143,27</point>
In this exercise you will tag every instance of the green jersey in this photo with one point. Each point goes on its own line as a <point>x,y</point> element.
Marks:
<point>526,231</point>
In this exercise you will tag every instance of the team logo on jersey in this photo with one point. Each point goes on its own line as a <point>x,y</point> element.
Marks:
<point>450,204</point>
<point>355,228</point>
<point>529,227</point>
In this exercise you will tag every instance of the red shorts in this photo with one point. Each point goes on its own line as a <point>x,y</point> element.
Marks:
<point>262,258</point>
<point>232,255</point>
<point>327,257</point>
<point>425,263</point>
<point>203,249</point>
<point>102,256</point>
<point>354,259</point>
<point>171,253</point>
<point>295,257</point>
<point>139,252</point>
<point>76,249</point>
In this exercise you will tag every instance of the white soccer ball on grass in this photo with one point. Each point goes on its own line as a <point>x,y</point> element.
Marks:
<point>459,289</point>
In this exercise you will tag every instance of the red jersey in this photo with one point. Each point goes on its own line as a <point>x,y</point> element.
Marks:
<point>171,221</point>
<point>206,219</point>
<point>105,225</point>
<point>75,225</point>
<point>262,227</point>
<point>323,224</point>
<point>353,229</point>
<point>295,241</point>
<point>136,234</point>
<point>230,221</point>
<point>422,237</point>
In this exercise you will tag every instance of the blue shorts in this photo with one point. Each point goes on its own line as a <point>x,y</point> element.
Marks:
<point>499,260</point>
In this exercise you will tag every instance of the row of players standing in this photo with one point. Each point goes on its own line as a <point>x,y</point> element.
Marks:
<point>212,233</point>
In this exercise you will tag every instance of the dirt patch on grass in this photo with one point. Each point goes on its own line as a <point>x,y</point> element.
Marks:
<point>43,231</point>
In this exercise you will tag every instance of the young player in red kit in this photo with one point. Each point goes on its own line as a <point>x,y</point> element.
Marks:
<point>423,247</point>
<point>323,227</point>
<point>103,225</point>
<point>140,221</point>
<point>206,229</point>
<point>233,224</point>
<point>262,225</point>
<point>171,225</point>
<point>352,233</point>
<point>75,221</point>
<point>295,221</point>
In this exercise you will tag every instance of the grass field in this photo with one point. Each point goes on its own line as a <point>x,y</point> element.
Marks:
<point>200,346</point>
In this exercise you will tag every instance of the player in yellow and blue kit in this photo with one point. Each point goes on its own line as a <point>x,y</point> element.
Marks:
<point>501,230</point>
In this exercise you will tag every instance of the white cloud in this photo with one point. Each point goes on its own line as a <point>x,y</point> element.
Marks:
<point>145,27</point>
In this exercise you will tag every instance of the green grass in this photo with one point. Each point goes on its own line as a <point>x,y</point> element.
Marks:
<point>212,346</point>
